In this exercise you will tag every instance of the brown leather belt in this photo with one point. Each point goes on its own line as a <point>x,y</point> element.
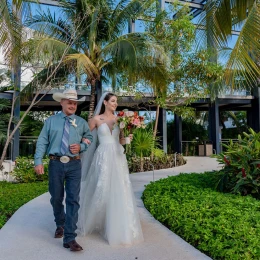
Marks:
<point>54,157</point>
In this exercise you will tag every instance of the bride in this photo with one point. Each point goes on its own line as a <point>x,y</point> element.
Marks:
<point>107,202</point>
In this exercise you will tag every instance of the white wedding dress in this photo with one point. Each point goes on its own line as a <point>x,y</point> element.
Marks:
<point>107,202</point>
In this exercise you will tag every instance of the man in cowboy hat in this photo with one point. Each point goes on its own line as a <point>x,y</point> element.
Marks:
<point>61,138</point>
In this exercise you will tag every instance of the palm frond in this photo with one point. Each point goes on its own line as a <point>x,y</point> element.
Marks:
<point>83,62</point>
<point>11,27</point>
<point>46,23</point>
<point>46,49</point>
<point>123,12</point>
<point>242,67</point>
<point>127,49</point>
<point>140,57</point>
<point>219,19</point>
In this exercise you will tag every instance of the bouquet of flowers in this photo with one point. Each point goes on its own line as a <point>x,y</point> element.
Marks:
<point>128,122</point>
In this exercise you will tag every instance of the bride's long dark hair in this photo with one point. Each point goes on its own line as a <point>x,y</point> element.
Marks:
<point>107,97</point>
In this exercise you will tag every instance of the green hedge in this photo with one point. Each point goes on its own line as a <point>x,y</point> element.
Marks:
<point>14,195</point>
<point>222,225</point>
<point>24,170</point>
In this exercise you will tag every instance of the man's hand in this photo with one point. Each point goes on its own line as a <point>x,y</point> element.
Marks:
<point>75,148</point>
<point>39,169</point>
<point>85,140</point>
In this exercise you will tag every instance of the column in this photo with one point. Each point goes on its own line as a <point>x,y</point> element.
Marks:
<point>254,113</point>
<point>162,128</point>
<point>178,133</point>
<point>214,129</point>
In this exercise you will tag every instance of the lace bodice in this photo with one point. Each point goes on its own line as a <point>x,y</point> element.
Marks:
<point>106,136</point>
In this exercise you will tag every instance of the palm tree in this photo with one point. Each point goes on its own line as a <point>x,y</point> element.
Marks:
<point>219,19</point>
<point>102,50</point>
<point>13,41</point>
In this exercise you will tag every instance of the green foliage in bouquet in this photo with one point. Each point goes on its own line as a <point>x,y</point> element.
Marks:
<point>241,171</point>
<point>24,170</point>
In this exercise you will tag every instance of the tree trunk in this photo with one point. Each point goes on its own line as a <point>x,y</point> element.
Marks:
<point>155,126</point>
<point>141,162</point>
<point>96,90</point>
<point>92,99</point>
<point>156,121</point>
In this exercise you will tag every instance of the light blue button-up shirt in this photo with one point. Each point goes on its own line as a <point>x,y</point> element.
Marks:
<point>49,140</point>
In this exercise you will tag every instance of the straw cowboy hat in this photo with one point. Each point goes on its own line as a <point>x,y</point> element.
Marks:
<point>70,94</point>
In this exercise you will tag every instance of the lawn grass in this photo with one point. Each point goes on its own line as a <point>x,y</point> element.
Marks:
<point>14,195</point>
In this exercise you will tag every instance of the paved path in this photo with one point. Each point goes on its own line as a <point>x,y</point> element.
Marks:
<point>28,235</point>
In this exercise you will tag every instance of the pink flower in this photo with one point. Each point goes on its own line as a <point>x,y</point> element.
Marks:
<point>129,121</point>
<point>136,122</point>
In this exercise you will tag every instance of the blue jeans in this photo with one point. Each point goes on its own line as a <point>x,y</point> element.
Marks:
<point>70,174</point>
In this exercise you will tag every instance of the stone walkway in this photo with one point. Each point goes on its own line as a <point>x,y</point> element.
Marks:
<point>28,235</point>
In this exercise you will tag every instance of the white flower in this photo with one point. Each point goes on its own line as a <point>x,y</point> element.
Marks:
<point>129,113</point>
<point>122,125</point>
<point>73,122</point>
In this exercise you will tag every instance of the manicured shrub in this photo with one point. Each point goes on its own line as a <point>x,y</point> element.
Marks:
<point>24,170</point>
<point>241,171</point>
<point>222,225</point>
<point>14,195</point>
<point>161,162</point>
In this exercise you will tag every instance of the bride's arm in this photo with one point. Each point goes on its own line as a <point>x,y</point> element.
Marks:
<point>92,125</point>
<point>121,137</point>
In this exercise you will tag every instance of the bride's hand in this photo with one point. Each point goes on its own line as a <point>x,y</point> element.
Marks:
<point>86,141</point>
<point>122,141</point>
<point>131,136</point>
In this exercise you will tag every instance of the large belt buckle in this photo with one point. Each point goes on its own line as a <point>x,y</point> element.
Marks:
<point>64,159</point>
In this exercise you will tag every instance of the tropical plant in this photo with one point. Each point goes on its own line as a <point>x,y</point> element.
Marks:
<point>24,170</point>
<point>16,48</point>
<point>4,106</point>
<point>33,123</point>
<point>101,48</point>
<point>241,170</point>
<point>176,37</point>
<point>239,123</point>
<point>143,144</point>
<point>189,71</point>
<point>219,19</point>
